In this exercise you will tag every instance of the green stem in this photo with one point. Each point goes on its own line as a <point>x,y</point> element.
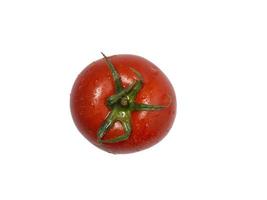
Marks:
<point>148,107</point>
<point>115,74</point>
<point>122,104</point>
<point>114,98</point>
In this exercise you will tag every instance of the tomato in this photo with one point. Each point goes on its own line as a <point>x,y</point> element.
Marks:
<point>123,103</point>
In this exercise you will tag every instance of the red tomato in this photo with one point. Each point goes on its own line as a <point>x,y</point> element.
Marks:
<point>123,103</point>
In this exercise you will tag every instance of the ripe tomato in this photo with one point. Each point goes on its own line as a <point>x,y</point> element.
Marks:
<point>123,103</point>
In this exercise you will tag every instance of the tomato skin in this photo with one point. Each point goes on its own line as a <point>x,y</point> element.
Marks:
<point>95,84</point>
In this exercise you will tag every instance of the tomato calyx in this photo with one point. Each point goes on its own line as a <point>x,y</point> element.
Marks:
<point>122,104</point>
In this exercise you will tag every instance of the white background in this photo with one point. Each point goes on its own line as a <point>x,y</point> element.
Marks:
<point>215,54</point>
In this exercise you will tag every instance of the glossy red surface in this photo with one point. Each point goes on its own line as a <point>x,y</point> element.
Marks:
<point>95,84</point>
